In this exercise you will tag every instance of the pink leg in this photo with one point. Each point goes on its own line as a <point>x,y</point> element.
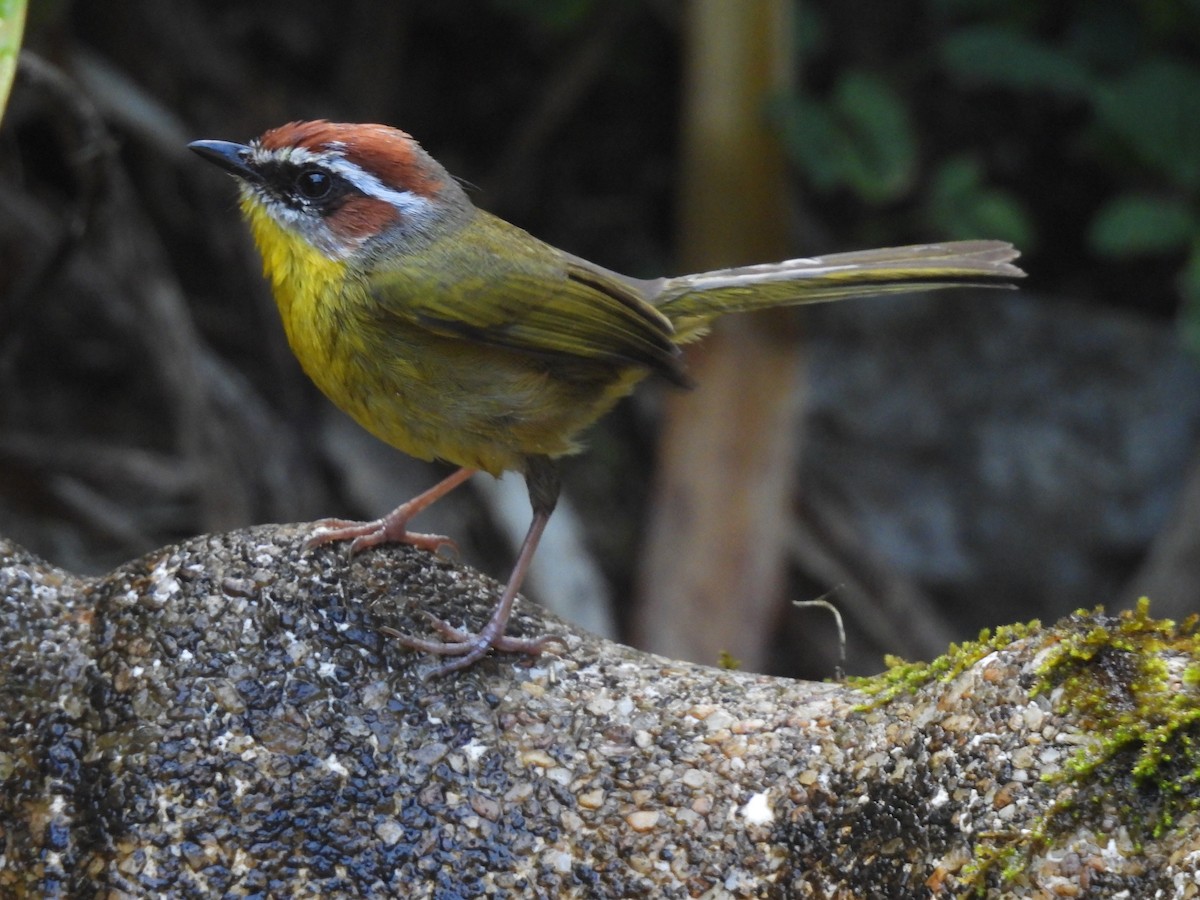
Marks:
<point>392,528</point>
<point>467,648</point>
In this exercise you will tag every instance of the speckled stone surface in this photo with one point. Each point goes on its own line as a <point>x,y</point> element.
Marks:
<point>223,719</point>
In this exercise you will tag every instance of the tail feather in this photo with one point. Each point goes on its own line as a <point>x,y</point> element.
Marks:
<point>692,302</point>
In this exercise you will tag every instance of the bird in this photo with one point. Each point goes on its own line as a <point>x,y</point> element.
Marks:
<point>453,335</point>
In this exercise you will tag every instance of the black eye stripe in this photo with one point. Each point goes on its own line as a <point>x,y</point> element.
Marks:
<point>305,186</point>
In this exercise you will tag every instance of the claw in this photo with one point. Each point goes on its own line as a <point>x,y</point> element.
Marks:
<point>363,535</point>
<point>464,648</point>
<point>392,528</point>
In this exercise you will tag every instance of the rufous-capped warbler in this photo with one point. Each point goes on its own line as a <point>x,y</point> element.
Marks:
<point>453,335</point>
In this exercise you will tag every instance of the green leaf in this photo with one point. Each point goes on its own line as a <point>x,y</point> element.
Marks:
<point>960,205</point>
<point>1142,224</point>
<point>12,24</point>
<point>810,137</point>
<point>861,138</point>
<point>998,56</point>
<point>1155,111</point>
<point>882,145</point>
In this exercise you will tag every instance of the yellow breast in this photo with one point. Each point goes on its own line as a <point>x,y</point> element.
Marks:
<point>430,396</point>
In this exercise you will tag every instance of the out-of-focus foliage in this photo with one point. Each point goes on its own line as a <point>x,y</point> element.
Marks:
<point>12,24</point>
<point>861,137</point>
<point>959,204</point>
<point>910,118</point>
<point>553,15</point>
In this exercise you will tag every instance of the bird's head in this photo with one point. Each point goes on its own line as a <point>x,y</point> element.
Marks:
<point>355,193</point>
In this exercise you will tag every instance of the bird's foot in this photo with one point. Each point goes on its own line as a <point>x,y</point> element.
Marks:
<point>391,529</point>
<point>465,648</point>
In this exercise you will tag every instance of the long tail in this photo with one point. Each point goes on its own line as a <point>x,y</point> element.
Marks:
<point>692,302</point>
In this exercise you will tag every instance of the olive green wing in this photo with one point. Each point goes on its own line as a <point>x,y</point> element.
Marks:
<point>502,288</point>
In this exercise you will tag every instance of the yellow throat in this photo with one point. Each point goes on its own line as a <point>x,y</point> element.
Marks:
<point>299,273</point>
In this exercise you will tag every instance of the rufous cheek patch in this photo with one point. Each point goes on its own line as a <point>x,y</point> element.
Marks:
<point>361,217</point>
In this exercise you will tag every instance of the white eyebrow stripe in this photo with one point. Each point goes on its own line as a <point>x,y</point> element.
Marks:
<point>407,202</point>
<point>297,155</point>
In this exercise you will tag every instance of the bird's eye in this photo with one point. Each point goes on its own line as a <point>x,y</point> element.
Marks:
<point>314,184</point>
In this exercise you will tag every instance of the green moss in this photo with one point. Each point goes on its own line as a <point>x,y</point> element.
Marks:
<point>1133,683</point>
<point>1117,680</point>
<point>727,660</point>
<point>1130,682</point>
<point>902,678</point>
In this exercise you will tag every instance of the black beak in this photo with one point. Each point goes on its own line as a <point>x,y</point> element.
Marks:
<point>229,156</point>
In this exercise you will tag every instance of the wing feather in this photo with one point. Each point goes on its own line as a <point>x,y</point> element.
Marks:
<point>502,288</point>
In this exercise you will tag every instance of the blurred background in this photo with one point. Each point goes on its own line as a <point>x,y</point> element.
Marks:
<point>931,465</point>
